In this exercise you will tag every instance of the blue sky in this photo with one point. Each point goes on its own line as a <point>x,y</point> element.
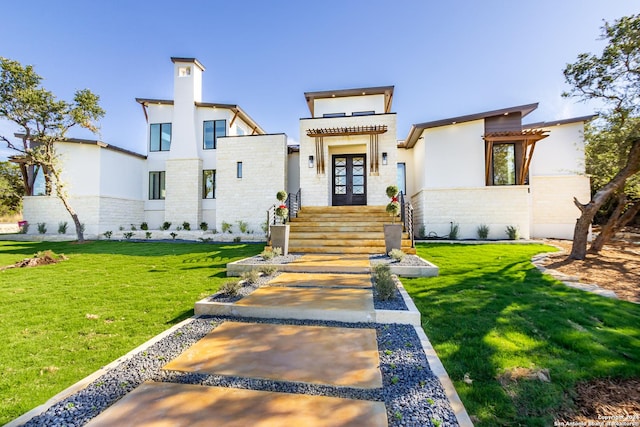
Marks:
<point>445,58</point>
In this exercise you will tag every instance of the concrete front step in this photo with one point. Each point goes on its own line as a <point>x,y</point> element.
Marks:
<point>330,227</point>
<point>293,243</point>
<point>342,209</point>
<point>371,250</point>
<point>344,235</point>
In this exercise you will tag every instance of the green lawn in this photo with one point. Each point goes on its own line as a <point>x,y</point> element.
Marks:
<point>61,322</point>
<point>491,311</point>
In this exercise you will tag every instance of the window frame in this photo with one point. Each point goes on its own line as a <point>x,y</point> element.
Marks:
<point>161,190</point>
<point>214,143</point>
<point>333,115</point>
<point>161,127</point>
<point>513,165</point>
<point>204,184</point>
<point>239,170</point>
<point>363,113</point>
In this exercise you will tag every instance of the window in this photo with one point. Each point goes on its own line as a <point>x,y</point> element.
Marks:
<point>329,115</point>
<point>156,185</point>
<point>239,170</point>
<point>402,178</point>
<point>363,113</point>
<point>184,71</point>
<point>504,164</point>
<point>160,137</point>
<point>213,129</point>
<point>209,184</point>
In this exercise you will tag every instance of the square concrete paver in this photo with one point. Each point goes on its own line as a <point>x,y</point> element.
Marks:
<point>322,280</point>
<point>347,260</point>
<point>281,298</point>
<point>310,354</point>
<point>173,405</point>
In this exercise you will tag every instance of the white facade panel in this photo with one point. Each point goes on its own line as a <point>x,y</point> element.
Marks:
<point>349,105</point>
<point>561,153</point>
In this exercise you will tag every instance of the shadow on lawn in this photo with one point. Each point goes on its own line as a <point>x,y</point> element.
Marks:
<point>512,317</point>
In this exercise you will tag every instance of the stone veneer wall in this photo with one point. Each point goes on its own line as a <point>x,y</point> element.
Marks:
<point>98,214</point>
<point>264,171</point>
<point>183,199</point>
<point>554,214</point>
<point>497,207</point>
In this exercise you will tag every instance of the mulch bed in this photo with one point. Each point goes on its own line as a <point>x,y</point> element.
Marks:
<point>606,399</point>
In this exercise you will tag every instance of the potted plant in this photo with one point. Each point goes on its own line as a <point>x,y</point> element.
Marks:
<point>280,232</point>
<point>393,231</point>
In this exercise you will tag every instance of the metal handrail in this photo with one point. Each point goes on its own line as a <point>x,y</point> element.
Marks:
<point>406,216</point>
<point>294,203</point>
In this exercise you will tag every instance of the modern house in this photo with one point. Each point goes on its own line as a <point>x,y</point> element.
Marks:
<point>210,162</point>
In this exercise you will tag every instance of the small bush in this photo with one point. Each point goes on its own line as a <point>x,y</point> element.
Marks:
<point>147,235</point>
<point>144,226</point>
<point>179,228</point>
<point>236,239</point>
<point>265,227</point>
<point>24,229</point>
<point>512,232</point>
<point>42,227</point>
<point>226,227</point>
<point>454,231</point>
<point>231,288</point>
<point>186,226</point>
<point>243,226</point>
<point>396,254</point>
<point>483,231</point>
<point>128,235</point>
<point>267,254</point>
<point>166,225</point>
<point>277,251</point>
<point>133,227</point>
<point>204,226</point>
<point>173,235</point>
<point>121,228</point>
<point>250,276</point>
<point>268,270</point>
<point>205,239</point>
<point>62,227</point>
<point>384,284</point>
<point>108,234</point>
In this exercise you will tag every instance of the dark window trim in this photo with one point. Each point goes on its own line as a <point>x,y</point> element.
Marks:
<point>363,113</point>
<point>153,194</point>
<point>215,136</point>
<point>160,146</point>
<point>204,187</point>
<point>332,115</point>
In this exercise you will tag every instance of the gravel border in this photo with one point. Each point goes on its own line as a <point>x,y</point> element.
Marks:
<point>407,261</point>
<point>279,260</point>
<point>411,392</point>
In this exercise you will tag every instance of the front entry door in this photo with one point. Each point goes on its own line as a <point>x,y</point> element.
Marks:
<point>349,180</point>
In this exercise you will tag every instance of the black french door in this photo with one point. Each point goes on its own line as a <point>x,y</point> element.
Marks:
<point>349,172</point>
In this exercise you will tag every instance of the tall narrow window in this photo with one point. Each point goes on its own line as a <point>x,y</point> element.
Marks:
<point>239,170</point>
<point>402,178</point>
<point>208,184</point>
<point>504,164</point>
<point>160,137</point>
<point>156,185</point>
<point>212,130</point>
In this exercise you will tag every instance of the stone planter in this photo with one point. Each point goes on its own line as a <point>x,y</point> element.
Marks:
<point>392,237</point>
<point>280,237</point>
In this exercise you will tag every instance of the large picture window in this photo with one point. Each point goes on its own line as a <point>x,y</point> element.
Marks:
<point>504,164</point>
<point>208,184</point>
<point>160,138</point>
<point>156,185</point>
<point>212,130</point>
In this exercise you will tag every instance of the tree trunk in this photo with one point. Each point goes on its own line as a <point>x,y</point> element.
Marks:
<point>581,231</point>
<point>63,197</point>
<point>615,224</point>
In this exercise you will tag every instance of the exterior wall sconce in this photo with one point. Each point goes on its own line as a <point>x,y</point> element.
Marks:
<point>239,170</point>
<point>385,158</point>
<point>310,161</point>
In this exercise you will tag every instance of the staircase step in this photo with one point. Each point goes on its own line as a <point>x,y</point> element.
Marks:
<point>346,250</point>
<point>342,209</point>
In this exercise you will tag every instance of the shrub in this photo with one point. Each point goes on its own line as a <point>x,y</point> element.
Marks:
<point>128,235</point>
<point>396,254</point>
<point>267,254</point>
<point>454,231</point>
<point>144,226</point>
<point>392,191</point>
<point>42,227</point>
<point>186,226</point>
<point>108,234</point>
<point>121,228</point>
<point>133,227</point>
<point>204,226</point>
<point>179,228</point>
<point>62,227</point>
<point>205,239</point>
<point>173,235</point>
<point>226,227</point>
<point>483,231</point>
<point>512,232</point>
<point>243,226</point>
<point>166,225</point>
<point>265,227</point>
<point>236,239</point>
<point>147,235</point>
<point>24,228</point>
<point>384,284</point>
<point>250,276</point>
<point>268,270</point>
<point>277,251</point>
<point>231,288</point>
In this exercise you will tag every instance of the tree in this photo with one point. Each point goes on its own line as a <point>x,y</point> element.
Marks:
<point>614,79</point>
<point>42,121</point>
<point>11,189</point>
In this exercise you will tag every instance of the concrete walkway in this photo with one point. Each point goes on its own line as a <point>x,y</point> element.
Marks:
<point>324,356</point>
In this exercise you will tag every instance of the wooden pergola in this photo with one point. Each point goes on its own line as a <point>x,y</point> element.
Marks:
<point>373,132</point>
<point>526,139</point>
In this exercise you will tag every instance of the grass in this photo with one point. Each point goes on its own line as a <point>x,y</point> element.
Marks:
<point>61,322</point>
<point>490,311</point>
